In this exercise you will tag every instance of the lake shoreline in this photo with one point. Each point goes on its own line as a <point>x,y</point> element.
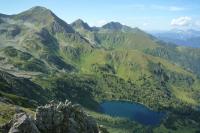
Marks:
<point>133,111</point>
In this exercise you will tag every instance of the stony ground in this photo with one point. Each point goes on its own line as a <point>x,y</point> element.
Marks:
<point>53,118</point>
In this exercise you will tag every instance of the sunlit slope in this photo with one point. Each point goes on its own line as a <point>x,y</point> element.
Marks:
<point>47,45</point>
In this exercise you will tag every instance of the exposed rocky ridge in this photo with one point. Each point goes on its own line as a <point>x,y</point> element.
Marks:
<point>53,118</point>
<point>81,24</point>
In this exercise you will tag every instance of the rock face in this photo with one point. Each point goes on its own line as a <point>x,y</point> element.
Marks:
<point>53,118</point>
<point>64,117</point>
<point>22,123</point>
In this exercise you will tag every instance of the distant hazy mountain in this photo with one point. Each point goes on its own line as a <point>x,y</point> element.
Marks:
<point>189,37</point>
<point>88,65</point>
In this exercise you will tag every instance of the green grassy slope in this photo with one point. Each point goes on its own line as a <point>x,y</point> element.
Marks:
<point>88,65</point>
<point>21,91</point>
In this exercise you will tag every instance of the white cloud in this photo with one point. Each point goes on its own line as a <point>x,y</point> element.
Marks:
<point>181,21</point>
<point>175,8</point>
<point>138,6</point>
<point>158,7</point>
<point>171,8</point>
<point>145,24</point>
<point>100,23</point>
<point>197,23</point>
<point>131,6</point>
<point>167,8</point>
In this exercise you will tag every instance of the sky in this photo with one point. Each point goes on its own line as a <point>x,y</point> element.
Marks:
<point>149,15</point>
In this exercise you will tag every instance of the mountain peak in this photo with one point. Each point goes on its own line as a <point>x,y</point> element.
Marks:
<point>116,26</point>
<point>39,8</point>
<point>43,17</point>
<point>35,13</point>
<point>79,21</point>
<point>113,26</point>
<point>80,24</point>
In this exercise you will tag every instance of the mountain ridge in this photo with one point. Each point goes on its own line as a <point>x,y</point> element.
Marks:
<point>189,38</point>
<point>81,24</point>
<point>113,62</point>
<point>116,26</point>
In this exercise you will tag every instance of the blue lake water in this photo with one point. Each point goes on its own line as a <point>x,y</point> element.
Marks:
<point>132,111</point>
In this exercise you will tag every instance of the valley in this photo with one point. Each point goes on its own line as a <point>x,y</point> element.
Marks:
<point>43,58</point>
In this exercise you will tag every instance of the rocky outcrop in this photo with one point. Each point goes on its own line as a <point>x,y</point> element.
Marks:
<point>64,117</point>
<point>5,100</point>
<point>21,123</point>
<point>53,118</point>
